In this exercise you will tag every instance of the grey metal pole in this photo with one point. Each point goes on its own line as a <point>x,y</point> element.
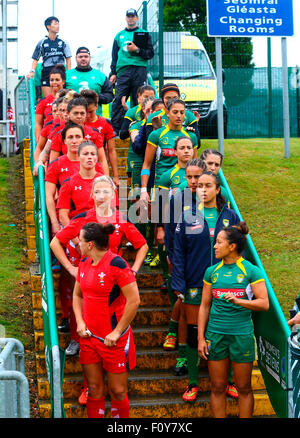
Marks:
<point>4,60</point>
<point>53,7</point>
<point>270,115</point>
<point>285,86</point>
<point>220,94</point>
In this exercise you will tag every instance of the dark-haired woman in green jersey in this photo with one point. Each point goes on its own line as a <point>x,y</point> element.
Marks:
<point>232,290</point>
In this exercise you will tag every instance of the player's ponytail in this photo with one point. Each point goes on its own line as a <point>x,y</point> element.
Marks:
<point>98,233</point>
<point>237,234</point>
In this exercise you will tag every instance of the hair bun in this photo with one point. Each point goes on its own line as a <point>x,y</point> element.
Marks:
<point>108,228</point>
<point>243,228</point>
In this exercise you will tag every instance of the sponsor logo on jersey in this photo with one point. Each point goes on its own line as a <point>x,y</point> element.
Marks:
<point>117,227</point>
<point>238,293</point>
<point>168,153</point>
<point>226,222</point>
<point>197,227</point>
<point>240,278</point>
<point>212,232</point>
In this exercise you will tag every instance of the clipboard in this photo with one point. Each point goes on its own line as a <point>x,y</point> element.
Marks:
<point>140,39</point>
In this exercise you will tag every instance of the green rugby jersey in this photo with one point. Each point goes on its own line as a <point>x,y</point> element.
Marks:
<point>134,114</point>
<point>134,159</point>
<point>125,58</point>
<point>237,278</point>
<point>164,140</point>
<point>89,80</point>
<point>172,178</point>
<point>211,216</point>
<point>188,120</point>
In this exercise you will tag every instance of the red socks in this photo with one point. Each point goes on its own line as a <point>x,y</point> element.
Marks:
<point>120,409</point>
<point>95,407</point>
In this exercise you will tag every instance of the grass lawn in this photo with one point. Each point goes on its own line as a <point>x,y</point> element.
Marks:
<point>15,312</point>
<point>266,187</point>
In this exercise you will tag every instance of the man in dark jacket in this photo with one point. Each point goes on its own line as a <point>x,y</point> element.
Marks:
<point>128,66</point>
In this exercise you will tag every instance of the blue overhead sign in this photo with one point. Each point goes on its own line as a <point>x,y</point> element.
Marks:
<point>250,18</point>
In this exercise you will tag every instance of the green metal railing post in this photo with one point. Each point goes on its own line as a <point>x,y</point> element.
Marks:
<point>145,15</point>
<point>161,43</point>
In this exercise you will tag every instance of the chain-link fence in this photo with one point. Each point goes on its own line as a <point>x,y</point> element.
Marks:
<point>252,95</point>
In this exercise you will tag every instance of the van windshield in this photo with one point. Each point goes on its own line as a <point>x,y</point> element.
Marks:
<point>187,64</point>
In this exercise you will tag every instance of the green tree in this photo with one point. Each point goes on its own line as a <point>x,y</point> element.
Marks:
<point>237,53</point>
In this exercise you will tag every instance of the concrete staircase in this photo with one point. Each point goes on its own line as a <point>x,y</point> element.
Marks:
<point>154,391</point>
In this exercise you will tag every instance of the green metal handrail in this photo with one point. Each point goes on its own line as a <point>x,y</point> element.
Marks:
<point>54,356</point>
<point>271,331</point>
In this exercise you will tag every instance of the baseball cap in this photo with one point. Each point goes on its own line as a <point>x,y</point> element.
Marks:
<point>82,50</point>
<point>131,12</point>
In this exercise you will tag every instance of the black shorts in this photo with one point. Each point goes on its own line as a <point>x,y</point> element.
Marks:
<point>45,76</point>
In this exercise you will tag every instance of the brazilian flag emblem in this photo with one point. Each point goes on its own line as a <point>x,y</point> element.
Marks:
<point>226,222</point>
<point>214,278</point>
<point>240,278</point>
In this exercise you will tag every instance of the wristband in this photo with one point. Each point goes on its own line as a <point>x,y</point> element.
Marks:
<point>143,189</point>
<point>134,271</point>
<point>145,172</point>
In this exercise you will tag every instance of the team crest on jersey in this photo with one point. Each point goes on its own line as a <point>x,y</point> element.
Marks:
<point>226,222</point>
<point>101,277</point>
<point>240,278</point>
<point>117,227</point>
<point>165,140</point>
<point>132,164</point>
<point>177,229</point>
<point>176,179</point>
<point>193,292</point>
<point>214,278</point>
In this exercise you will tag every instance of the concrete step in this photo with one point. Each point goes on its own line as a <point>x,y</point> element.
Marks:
<point>142,383</point>
<point>168,406</point>
<point>146,316</point>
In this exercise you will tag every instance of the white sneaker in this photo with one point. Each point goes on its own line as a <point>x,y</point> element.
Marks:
<point>72,349</point>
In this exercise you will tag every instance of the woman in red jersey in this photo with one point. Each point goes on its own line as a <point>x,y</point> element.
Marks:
<point>62,168</point>
<point>105,301</point>
<point>105,128</point>
<point>77,110</point>
<point>75,193</point>
<point>43,111</point>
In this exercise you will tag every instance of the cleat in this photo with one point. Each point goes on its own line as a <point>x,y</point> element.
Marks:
<point>73,348</point>
<point>148,258</point>
<point>82,399</point>
<point>232,391</point>
<point>64,327</point>
<point>155,262</point>
<point>180,368</point>
<point>191,393</point>
<point>170,342</point>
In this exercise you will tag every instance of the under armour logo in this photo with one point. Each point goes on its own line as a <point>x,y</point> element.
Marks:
<point>64,170</point>
<point>82,274</point>
<point>78,188</point>
<point>88,136</point>
<point>120,365</point>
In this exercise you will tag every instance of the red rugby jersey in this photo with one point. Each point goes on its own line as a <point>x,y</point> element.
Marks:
<point>123,229</point>
<point>62,168</point>
<point>104,127</point>
<point>49,126</point>
<point>75,194</point>
<point>89,134</point>
<point>44,107</point>
<point>103,301</point>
